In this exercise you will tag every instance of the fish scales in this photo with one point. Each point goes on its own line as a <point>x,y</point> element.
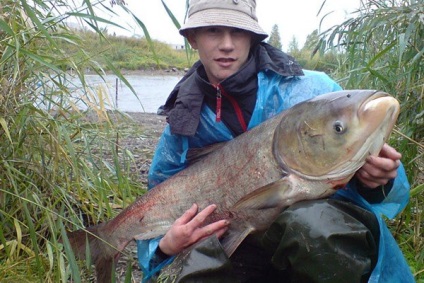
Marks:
<point>204,185</point>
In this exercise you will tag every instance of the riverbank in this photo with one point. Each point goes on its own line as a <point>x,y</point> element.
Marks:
<point>139,134</point>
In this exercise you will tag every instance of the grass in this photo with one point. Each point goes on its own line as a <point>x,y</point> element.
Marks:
<point>128,53</point>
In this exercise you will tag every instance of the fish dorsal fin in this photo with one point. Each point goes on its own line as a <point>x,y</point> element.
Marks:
<point>196,154</point>
<point>238,232</point>
<point>273,195</point>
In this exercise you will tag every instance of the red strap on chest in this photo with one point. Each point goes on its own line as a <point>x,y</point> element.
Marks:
<point>220,92</point>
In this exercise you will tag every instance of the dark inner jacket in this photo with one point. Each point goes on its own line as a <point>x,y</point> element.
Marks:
<point>183,105</point>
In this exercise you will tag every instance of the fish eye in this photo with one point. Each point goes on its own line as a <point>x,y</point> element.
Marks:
<point>339,127</point>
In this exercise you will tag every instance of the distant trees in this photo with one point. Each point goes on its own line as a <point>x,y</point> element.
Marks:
<point>309,59</point>
<point>293,46</point>
<point>311,41</point>
<point>274,38</point>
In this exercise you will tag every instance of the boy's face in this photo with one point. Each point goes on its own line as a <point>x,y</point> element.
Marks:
<point>222,50</point>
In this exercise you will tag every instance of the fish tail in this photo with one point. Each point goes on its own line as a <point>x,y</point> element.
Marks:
<point>102,253</point>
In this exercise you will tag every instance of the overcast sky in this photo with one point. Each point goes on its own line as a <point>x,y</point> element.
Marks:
<point>294,18</point>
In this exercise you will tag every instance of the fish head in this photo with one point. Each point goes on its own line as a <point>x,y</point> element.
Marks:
<point>330,136</point>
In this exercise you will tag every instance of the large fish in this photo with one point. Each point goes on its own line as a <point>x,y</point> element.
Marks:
<point>306,152</point>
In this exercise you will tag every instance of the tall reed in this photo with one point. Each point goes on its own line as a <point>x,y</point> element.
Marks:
<point>50,177</point>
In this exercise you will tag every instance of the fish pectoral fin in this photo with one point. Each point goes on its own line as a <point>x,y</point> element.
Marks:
<point>270,196</point>
<point>235,235</point>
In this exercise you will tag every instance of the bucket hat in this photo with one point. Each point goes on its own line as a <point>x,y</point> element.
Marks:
<point>230,13</point>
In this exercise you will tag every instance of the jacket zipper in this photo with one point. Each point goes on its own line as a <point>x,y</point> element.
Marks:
<point>239,113</point>
<point>218,104</point>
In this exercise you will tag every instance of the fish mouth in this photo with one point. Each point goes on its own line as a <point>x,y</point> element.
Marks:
<point>377,115</point>
<point>379,101</point>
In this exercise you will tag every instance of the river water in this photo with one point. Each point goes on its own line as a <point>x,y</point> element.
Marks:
<point>151,91</point>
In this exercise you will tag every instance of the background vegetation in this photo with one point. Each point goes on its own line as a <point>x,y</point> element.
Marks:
<point>53,176</point>
<point>128,53</point>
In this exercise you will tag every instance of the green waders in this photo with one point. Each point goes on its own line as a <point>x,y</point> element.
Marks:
<point>311,241</point>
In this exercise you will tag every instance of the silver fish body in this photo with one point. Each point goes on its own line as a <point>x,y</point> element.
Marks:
<point>306,152</point>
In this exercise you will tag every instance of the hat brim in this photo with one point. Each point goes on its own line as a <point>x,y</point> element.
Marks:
<point>223,17</point>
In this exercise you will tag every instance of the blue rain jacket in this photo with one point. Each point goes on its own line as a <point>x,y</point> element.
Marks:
<point>275,94</point>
